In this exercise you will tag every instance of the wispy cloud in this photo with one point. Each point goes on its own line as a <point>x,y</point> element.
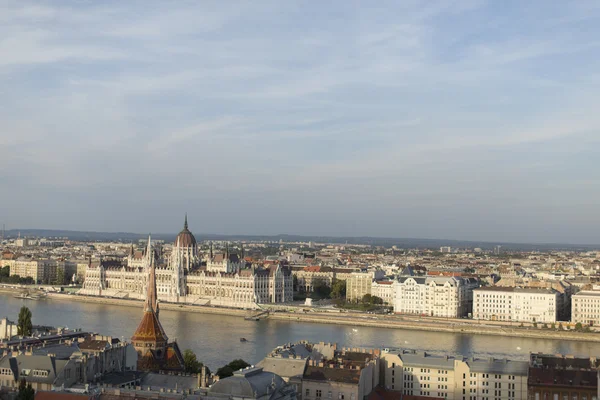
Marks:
<point>290,114</point>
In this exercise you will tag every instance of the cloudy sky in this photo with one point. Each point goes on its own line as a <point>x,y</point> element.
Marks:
<point>429,119</point>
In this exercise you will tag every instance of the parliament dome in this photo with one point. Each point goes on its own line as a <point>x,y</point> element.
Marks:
<point>185,237</point>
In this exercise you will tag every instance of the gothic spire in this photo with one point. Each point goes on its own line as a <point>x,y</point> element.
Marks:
<point>185,224</point>
<point>151,299</point>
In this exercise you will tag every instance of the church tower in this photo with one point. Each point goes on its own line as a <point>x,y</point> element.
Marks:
<point>150,341</point>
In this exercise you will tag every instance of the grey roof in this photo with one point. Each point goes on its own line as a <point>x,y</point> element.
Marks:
<point>514,289</point>
<point>60,351</point>
<point>250,382</point>
<point>32,362</point>
<point>584,293</point>
<point>155,380</point>
<point>498,366</point>
<point>284,367</point>
<point>419,279</point>
<point>423,359</point>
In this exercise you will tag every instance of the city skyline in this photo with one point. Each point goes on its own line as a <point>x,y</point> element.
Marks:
<point>461,120</point>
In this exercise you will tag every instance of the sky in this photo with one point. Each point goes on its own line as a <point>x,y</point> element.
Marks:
<point>447,119</point>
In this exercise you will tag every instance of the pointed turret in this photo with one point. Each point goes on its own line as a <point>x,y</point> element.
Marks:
<point>151,299</point>
<point>185,224</point>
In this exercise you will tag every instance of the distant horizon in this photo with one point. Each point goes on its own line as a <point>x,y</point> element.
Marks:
<point>141,235</point>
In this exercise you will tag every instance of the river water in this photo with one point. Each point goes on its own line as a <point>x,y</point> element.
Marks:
<point>216,338</point>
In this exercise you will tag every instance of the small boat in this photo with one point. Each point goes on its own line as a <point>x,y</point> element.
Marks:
<point>243,339</point>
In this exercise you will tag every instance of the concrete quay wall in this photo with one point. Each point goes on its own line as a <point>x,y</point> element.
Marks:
<point>139,304</point>
<point>475,329</point>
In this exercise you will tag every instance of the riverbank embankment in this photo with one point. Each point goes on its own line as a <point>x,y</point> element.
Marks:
<point>468,327</point>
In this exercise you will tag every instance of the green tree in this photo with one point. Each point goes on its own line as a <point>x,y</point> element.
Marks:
<point>191,363</point>
<point>24,326</point>
<point>230,368</point>
<point>321,289</point>
<point>5,272</point>
<point>338,291</point>
<point>578,327</point>
<point>60,277</point>
<point>367,299</point>
<point>25,392</point>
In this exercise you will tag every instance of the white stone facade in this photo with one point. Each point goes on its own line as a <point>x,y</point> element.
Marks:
<point>434,296</point>
<point>585,308</point>
<point>515,304</point>
<point>241,288</point>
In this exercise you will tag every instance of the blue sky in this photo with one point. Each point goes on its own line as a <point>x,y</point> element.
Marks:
<point>435,119</point>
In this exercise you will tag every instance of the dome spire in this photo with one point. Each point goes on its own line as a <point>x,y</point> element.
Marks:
<point>185,224</point>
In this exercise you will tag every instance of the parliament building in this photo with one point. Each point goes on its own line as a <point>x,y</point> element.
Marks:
<point>185,276</point>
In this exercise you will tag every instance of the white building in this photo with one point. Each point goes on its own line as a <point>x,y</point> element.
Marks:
<point>434,296</point>
<point>515,304</point>
<point>585,307</point>
<point>181,278</point>
<point>384,290</point>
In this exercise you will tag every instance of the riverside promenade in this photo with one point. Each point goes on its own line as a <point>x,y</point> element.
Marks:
<point>333,316</point>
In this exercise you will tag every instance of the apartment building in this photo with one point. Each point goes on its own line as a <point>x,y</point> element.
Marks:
<point>417,373</point>
<point>346,374</point>
<point>586,308</point>
<point>515,304</point>
<point>562,377</point>
<point>384,290</point>
<point>434,296</point>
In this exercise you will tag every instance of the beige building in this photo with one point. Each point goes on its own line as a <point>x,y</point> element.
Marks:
<point>455,378</point>
<point>515,304</point>
<point>41,270</point>
<point>351,374</point>
<point>586,308</point>
<point>8,329</point>
<point>309,277</point>
<point>358,285</point>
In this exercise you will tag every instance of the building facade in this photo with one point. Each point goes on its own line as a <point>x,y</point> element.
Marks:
<point>421,374</point>
<point>586,308</point>
<point>515,304</point>
<point>449,297</point>
<point>222,279</point>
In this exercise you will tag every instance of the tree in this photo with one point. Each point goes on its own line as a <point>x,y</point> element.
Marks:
<point>25,392</point>
<point>376,300</point>
<point>578,327</point>
<point>24,326</point>
<point>560,327</point>
<point>321,289</point>
<point>367,299</point>
<point>191,363</point>
<point>230,368</point>
<point>338,291</point>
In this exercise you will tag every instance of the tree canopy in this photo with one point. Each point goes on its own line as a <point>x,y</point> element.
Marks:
<point>24,326</point>
<point>230,368</point>
<point>191,363</point>
<point>338,291</point>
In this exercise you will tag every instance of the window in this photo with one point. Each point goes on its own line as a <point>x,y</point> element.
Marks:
<point>318,393</point>
<point>341,396</point>
<point>308,392</point>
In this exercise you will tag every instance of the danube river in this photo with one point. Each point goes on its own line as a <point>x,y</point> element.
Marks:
<point>216,338</point>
